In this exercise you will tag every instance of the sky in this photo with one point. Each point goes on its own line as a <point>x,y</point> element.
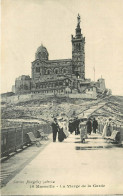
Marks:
<point>26,24</point>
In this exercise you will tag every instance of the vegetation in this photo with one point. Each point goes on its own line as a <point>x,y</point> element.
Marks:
<point>46,109</point>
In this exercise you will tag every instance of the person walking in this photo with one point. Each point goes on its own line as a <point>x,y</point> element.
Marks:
<point>61,133</point>
<point>77,122</point>
<point>55,129</point>
<point>95,125</point>
<point>107,130</point>
<point>89,126</point>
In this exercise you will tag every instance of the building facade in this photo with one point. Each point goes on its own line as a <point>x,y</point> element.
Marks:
<point>57,76</point>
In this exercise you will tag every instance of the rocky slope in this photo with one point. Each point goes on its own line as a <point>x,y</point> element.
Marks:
<point>45,110</point>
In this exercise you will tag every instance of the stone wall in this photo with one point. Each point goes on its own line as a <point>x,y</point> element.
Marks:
<point>83,96</point>
<point>27,97</point>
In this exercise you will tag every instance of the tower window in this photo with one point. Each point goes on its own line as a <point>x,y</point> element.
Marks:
<point>37,69</point>
<point>56,71</point>
<point>74,46</point>
<point>39,55</point>
<point>64,70</point>
<point>77,46</point>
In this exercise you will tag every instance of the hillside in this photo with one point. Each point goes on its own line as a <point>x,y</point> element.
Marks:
<point>44,110</point>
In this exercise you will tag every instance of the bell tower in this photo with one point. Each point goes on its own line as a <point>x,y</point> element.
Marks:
<point>78,52</point>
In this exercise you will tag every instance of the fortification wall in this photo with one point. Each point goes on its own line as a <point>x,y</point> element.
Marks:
<point>26,97</point>
<point>84,96</point>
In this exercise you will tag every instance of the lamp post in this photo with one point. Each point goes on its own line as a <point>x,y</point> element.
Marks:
<point>94,73</point>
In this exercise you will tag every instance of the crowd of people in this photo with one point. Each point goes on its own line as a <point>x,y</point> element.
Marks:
<point>62,127</point>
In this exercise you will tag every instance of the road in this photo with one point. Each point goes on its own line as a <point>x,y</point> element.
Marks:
<point>71,168</point>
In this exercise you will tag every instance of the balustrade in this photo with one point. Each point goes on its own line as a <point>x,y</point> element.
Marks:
<point>15,138</point>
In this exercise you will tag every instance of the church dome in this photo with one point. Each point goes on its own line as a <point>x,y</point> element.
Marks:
<point>41,53</point>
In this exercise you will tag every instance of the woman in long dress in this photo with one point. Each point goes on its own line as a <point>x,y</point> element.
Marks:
<point>104,131</point>
<point>107,128</point>
<point>61,134</point>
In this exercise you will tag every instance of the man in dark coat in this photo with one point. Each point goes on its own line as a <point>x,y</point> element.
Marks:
<point>89,126</point>
<point>95,125</point>
<point>77,121</point>
<point>55,129</point>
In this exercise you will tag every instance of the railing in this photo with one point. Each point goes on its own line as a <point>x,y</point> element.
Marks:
<point>15,138</point>
<point>113,127</point>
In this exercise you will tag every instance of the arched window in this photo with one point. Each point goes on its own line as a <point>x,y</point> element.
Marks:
<point>56,71</point>
<point>48,72</point>
<point>64,70</point>
<point>77,46</point>
<point>44,54</point>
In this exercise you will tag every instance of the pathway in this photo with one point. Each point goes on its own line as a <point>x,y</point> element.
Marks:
<point>71,168</point>
<point>14,164</point>
<point>91,110</point>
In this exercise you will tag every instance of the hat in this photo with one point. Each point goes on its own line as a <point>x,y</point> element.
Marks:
<point>60,118</point>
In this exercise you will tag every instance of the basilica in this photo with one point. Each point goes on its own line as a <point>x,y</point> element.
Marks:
<point>57,76</point>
